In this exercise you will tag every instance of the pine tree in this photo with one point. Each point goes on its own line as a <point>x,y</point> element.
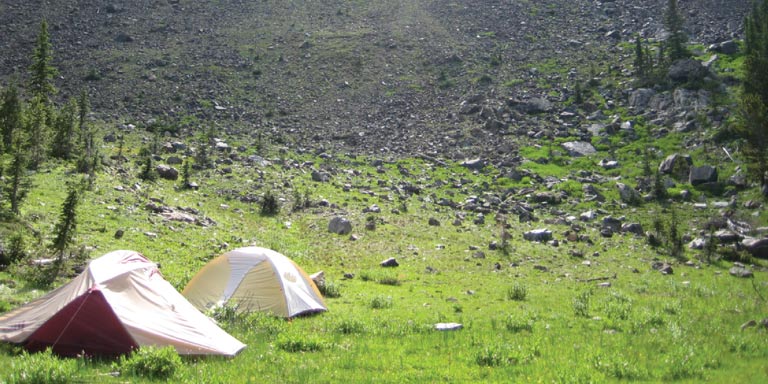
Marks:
<point>62,145</point>
<point>88,159</point>
<point>65,228</point>
<point>640,60</point>
<point>673,22</point>
<point>10,114</point>
<point>17,180</point>
<point>753,106</point>
<point>41,70</point>
<point>37,131</point>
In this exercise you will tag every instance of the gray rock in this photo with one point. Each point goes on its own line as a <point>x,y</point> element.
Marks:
<point>740,271</point>
<point>728,47</point>
<point>340,226</point>
<point>664,268</point>
<point>686,70</point>
<point>676,165</point>
<point>702,174</point>
<point>608,164</point>
<point>390,263</point>
<point>532,106</point>
<point>175,160</point>
<point>319,279</point>
<point>697,243</point>
<point>540,235</point>
<point>726,236</point>
<point>639,98</point>
<point>320,177</point>
<point>613,223</point>
<point>756,247</point>
<point>166,172</point>
<point>635,228</point>
<point>448,326</point>
<point>474,164</point>
<point>628,194</point>
<point>434,222</point>
<point>579,148</point>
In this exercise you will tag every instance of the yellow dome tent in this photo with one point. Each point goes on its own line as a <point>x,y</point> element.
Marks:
<point>255,279</point>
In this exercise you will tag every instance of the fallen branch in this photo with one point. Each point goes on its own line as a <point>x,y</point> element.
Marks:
<point>597,279</point>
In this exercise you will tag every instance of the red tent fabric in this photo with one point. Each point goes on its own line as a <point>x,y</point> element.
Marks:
<point>120,302</point>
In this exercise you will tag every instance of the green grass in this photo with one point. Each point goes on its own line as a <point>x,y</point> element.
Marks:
<point>519,322</point>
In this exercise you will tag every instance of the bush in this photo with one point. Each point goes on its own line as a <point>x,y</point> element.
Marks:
<point>269,205</point>
<point>330,289</point>
<point>300,343</point>
<point>381,302</point>
<point>14,250</point>
<point>581,304</point>
<point>40,368</point>
<point>150,362</point>
<point>519,323</point>
<point>517,292</point>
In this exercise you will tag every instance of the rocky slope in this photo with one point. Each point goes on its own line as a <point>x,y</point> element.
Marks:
<point>400,77</point>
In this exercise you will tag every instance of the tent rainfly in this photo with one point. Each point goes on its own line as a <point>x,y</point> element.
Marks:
<point>255,279</point>
<point>119,303</point>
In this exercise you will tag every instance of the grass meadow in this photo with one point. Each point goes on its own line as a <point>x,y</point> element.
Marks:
<point>589,310</point>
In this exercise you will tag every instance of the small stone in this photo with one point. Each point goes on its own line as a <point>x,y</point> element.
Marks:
<point>448,326</point>
<point>434,222</point>
<point>740,271</point>
<point>606,284</point>
<point>390,262</point>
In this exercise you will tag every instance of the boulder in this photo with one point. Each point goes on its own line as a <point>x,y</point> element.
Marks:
<point>320,177</point>
<point>756,247</point>
<point>635,228</point>
<point>613,223</point>
<point>579,148</point>
<point>531,106</point>
<point>639,98</point>
<point>389,263</point>
<point>686,70</point>
<point>728,47</point>
<point>664,268</point>
<point>628,194</point>
<point>167,172</point>
<point>474,164</point>
<point>540,235</point>
<point>340,226</point>
<point>740,271</point>
<point>676,165</point>
<point>702,174</point>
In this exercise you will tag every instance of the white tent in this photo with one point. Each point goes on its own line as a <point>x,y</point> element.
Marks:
<point>255,279</point>
<point>120,302</point>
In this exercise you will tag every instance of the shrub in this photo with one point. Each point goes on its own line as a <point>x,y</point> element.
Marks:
<point>381,302</point>
<point>517,293</point>
<point>389,280</point>
<point>42,367</point>
<point>300,343</point>
<point>150,362</point>
<point>269,204</point>
<point>330,289</point>
<point>581,304</point>
<point>349,326</point>
<point>14,250</point>
<point>519,323</point>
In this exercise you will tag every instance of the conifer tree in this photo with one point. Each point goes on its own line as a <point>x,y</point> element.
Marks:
<point>41,70</point>
<point>37,131</point>
<point>67,224</point>
<point>673,22</point>
<point>62,145</point>
<point>640,60</point>
<point>753,106</point>
<point>10,114</point>
<point>17,180</point>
